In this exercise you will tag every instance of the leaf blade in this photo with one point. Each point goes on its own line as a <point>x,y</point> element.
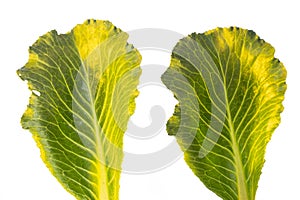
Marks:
<point>73,121</point>
<point>238,87</point>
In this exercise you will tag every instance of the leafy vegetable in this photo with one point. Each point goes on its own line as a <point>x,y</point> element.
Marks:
<point>83,89</point>
<point>230,90</point>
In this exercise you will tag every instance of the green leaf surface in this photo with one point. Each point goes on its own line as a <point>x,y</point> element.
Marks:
<point>230,90</point>
<point>83,87</point>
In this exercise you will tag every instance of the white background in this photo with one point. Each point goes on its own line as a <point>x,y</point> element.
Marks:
<point>22,173</point>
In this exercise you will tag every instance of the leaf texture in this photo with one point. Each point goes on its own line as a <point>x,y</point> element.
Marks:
<point>230,90</point>
<point>83,87</point>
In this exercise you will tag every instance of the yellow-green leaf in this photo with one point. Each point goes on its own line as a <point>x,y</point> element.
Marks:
<point>83,87</point>
<point>230,90</point>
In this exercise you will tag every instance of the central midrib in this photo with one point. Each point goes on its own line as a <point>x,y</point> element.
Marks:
<point>240,173</point>
<point>101,168</point>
